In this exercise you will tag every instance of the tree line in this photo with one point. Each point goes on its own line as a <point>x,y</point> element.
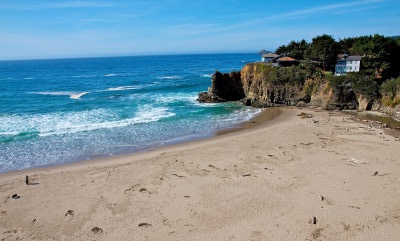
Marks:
<point>380,54</point>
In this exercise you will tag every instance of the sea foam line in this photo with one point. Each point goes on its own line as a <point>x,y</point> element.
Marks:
<point>61,123</point>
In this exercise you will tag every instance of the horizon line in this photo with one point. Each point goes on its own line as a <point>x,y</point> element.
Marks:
<point>126,55</point>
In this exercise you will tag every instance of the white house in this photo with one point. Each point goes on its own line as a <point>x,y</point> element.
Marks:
<point>348,64</point>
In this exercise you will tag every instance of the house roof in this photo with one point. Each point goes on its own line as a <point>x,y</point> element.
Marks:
<point>286,59</point>
<point>270,55</point>
<point>354,58</point>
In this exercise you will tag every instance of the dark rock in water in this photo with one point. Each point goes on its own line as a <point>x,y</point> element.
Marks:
<point>224,87</point>
<point>207,97</point>
<point>250,88</point>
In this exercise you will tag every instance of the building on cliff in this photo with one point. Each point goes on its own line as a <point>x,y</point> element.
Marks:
<point>267,58</point>
<point>347,64</point>
<point>286,61</point>
<point>278,60</point>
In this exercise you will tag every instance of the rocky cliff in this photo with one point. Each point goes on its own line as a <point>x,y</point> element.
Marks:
<point>261,85</point>
<point>224,87</point>
<point>250,86</point>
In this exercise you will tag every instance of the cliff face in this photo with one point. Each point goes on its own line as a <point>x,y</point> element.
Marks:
<point>261,93</point>
<point>250,87</point>
<point>224,87</point>
<point>256,85</point>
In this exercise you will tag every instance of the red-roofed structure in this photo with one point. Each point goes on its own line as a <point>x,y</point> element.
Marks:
<point>286,61</point>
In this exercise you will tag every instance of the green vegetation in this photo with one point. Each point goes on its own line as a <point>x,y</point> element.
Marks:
<point>280,76</point>
<point>294,49</point>
<point>390,91</point>
<point>377,79</point>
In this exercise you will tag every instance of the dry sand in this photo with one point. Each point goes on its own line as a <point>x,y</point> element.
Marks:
<point>291,178</point>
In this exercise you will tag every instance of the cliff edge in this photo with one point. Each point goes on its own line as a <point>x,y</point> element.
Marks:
<point>261,85</point>
<point>254,86</point>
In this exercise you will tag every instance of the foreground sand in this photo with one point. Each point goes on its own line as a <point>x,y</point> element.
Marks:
<point>291,178</point>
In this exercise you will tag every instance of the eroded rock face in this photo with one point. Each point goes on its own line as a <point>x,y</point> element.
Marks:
<point>224,87</point>
<point>251,87</point>
<point>260,93</point>
<point>248,86</point>
<point>209,97</point>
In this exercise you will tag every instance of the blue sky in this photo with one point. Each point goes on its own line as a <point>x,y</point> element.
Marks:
<point>56,29</point>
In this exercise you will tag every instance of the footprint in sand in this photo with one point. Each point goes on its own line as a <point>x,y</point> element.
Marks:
<point>144,225</point>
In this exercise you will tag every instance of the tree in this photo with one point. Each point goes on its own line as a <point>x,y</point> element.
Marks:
<point>346,45</point>
<point>324,50</point>
<point>380,55</point>
<point>294,49</point>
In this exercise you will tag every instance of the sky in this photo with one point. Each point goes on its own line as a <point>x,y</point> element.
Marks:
<point>31,29</point>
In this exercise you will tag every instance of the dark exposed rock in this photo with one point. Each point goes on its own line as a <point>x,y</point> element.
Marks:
<point>207,97</point>
<point>249,88</point>
<point>224,87</point>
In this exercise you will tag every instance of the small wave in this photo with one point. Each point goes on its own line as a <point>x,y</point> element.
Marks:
<point>206,75</point>
<point>120,88</point>
<point>145,115</point>
<point>241,115</point>
<point>29,78</point>
<point>83,76</point>
<point>191,98</point>
<point>78,96</point>
<point>114,75</point>
<point>169,77</point>
<point>72,95</point>
<point>21,127</point>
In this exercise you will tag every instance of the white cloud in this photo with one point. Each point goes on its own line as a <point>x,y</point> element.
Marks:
<point>325,8</point>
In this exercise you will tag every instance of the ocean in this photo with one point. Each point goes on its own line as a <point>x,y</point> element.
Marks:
<point>68,110</point>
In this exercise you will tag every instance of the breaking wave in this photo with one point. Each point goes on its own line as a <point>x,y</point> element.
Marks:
<point>72,95</point>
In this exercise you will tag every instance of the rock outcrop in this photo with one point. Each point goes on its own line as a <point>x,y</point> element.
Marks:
<point>224,87</point>
<point>249,86</point>
<point>261,93</point>
<point>255,86</point>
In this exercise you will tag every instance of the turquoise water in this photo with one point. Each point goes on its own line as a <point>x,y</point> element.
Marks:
<point>67,110</point>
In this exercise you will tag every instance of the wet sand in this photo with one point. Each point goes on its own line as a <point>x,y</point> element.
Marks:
<point>304,175</point>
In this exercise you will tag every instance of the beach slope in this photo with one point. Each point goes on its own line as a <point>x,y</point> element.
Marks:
<point>305,175</point>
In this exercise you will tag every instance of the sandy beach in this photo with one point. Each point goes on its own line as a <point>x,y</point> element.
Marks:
<point>304,175</point>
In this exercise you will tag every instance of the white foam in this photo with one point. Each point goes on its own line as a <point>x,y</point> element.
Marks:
<point>78,96</point>
<point>190,97</point>
<point>72,95</point>
<point>113,74</point>
<point>84,76</point>
<point>241,115</point>
<point>121,88</point>
<point>206,75</point>
<point>9,133</point>
<point>67,123</point>
<point>169,77</point>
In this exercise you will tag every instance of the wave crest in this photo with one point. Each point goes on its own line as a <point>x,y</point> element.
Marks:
<point>59,123</point>
<point>72,95</point>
